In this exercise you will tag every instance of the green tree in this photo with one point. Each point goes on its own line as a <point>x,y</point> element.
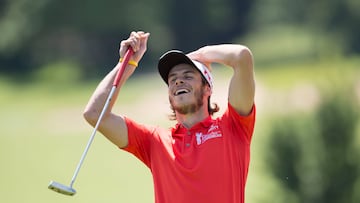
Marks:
<point>315,159</point>
<point>335,19</point>
<point>202,22</point>
<point>337,118</point>
<point>39,32</point>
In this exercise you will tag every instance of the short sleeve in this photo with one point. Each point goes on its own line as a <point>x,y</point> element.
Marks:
<point>242,124</point>
<point>139,140</point>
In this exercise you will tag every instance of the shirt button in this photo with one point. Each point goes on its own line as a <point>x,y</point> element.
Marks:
<point>188,133</point>
<point>187,144</point>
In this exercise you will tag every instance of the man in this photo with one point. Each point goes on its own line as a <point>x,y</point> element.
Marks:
<point>202,159</point>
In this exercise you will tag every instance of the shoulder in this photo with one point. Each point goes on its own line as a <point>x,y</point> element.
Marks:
<point>232,114</point>
<point>235,123</point>
<point>136,129</point>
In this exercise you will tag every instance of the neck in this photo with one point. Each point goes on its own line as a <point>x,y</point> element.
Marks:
<point>190,119</point>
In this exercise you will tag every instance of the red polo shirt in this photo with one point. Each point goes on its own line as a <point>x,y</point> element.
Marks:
<point>207,163</point>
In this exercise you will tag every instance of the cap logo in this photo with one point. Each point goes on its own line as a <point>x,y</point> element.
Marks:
<point>205,72</point>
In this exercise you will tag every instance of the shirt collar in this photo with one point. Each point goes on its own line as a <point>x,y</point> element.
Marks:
<point>202,124</point>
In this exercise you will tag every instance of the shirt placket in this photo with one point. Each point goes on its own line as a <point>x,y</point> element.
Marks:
<point>188,139</point>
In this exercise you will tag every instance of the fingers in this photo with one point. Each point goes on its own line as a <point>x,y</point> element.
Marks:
<point>198,56</point>
<point>144,39</point>
<point>137,41</point>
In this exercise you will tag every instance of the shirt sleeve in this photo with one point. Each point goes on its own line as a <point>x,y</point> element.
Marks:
<point>139,140</point>
<point>243,124</point>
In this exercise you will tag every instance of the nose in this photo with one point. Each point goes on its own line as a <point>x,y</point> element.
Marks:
<point>179,81</point>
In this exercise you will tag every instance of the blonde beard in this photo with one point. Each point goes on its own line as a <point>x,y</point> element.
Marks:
<point>189,108</point>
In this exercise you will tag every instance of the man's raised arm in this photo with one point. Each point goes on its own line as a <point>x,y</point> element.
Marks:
<point>113,126</point>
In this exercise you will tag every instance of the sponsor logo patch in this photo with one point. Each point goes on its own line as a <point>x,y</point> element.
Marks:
<point>213,132</point>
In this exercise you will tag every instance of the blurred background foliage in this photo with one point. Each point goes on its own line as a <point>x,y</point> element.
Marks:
<point>37,33</point>
<point>313,156</point>
<point>307,142</point>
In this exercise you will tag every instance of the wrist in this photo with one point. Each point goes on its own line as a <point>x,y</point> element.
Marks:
<point>130,62</point>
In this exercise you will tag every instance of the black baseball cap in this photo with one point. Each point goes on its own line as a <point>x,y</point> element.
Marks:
<point>174,57</point>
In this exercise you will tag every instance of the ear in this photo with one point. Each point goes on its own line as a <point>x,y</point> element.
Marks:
<point>208,90</point>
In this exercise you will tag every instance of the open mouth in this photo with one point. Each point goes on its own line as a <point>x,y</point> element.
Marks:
<point>181,91</point>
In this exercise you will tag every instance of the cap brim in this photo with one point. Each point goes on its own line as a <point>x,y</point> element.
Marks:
<point>170,59</point>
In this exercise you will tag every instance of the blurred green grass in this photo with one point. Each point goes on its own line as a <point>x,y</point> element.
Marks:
<point>44,134</point>
<point>338,71</point>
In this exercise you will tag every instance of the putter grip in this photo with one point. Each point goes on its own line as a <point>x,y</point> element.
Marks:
<point>125,61</point>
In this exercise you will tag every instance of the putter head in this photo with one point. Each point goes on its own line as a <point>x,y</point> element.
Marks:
<point>60,188</point>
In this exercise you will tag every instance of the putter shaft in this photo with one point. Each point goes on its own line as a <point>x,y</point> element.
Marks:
<point>60,188</point>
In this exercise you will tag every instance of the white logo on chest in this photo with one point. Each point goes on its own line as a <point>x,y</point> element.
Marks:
<point>213,132</point>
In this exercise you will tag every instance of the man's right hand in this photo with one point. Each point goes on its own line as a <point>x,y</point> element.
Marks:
<point>138,42</point>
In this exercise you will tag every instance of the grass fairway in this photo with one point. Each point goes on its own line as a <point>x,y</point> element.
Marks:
<point>44,134</point>
<point>43,137</point>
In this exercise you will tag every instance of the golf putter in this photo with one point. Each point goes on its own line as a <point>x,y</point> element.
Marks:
<point>69,190</point>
